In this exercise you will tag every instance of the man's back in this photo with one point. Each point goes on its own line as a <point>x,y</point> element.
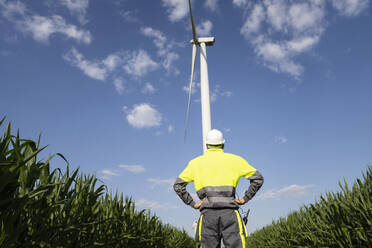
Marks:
<point>216,175</point>
<point>217,168</point>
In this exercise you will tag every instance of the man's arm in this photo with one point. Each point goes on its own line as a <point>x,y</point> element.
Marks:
<point>180,187</point>
<point>256,182</point>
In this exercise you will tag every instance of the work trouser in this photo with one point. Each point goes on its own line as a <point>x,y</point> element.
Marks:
<point>217,224</point>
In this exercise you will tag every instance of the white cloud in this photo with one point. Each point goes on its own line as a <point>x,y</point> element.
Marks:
<point>112,61</point>
<point>302,44</point>
<point>240,3</point>
<point>194,88</point>
<point>159,38</point>
<point>215,93</point>
<point>204,28</point>
<point>277,14</point>
<point>291,191</point>
<point>100,69</point>
<point>280,140</point>
<point>170,129</point>
<point>129,16</point>
<point>227,94</point>
<point>133,168</point>
<point>119,85</point>
<point>159,181</point>
<point>164,48</point>
<point>168,61</point>
<point>140,63</point>
<point>211,4</point>
<point>306,16</point>
<point>278,58</point>
<point>272,51</point>
<point>135,63</point>
<point>41,28</point>
<point>176,9</point>
<point>253,23</point>
<point>92,69</point>
<point>280,31</point>
<point>294,191</point>
<point>350,8</point>
<point>143,203</point>
<point>77,8</point>
<point>148,89</point>
<point>108,174</point>
<point>143,116</point>
<point>12,9</point>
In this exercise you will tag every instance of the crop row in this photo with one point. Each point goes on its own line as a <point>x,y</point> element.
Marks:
<point>342,220</point>
<point>44,208</point>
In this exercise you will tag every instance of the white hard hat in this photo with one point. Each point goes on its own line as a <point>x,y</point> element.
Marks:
<point>215,137</point>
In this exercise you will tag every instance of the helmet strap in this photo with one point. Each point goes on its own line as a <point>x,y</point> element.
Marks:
<point>219,146</point>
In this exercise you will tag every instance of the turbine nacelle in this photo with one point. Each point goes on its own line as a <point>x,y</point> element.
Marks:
<point>209,41</point>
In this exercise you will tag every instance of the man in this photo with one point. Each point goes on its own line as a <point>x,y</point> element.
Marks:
<point>216,175</point>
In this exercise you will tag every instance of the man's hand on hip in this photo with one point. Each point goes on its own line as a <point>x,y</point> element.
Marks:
<point>240,201</point>
<point>198,205</point>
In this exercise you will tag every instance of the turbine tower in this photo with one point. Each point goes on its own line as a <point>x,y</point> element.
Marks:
<point>202,42</point>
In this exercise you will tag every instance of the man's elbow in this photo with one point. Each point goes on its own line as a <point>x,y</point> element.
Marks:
<point>261,181</point>
<point>179,185</point>
<point>176,187</point>
<point>258,179</point>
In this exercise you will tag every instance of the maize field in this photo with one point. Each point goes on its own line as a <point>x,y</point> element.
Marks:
<point>44,208</point>
<point>339,220</point>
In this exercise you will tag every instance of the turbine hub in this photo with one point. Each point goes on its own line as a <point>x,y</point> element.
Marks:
<point>209,41</point>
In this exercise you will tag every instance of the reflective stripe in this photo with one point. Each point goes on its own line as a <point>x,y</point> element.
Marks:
<point>216,191</point>
<point>219,188</point>
<point>241,232</point>
<point>220,199</point>
<point>200,227</point>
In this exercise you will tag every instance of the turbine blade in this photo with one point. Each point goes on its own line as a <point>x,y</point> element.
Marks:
<point>193,25</point>
<point>194,48</point>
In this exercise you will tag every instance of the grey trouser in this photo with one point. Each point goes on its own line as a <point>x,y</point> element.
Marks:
<point>217,224</point>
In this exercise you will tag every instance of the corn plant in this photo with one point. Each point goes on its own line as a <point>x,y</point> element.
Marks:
<point>44,208</point>
<point>342,219</point>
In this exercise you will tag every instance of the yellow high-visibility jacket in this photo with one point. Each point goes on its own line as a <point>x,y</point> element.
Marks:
<point>216,175</point>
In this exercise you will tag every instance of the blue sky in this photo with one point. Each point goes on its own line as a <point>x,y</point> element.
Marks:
<point>105,83</point>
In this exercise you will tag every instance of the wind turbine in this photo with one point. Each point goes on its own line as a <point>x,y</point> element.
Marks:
<point>202,42</point>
